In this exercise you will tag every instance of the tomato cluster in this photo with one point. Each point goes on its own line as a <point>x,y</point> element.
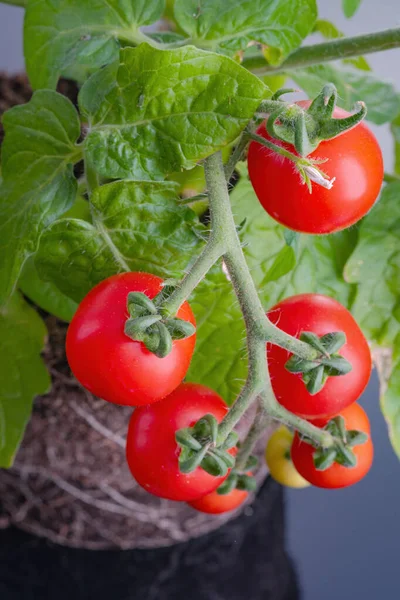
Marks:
<point>112,363</point>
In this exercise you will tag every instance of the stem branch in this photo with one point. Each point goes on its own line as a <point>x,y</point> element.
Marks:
<point>328,51</point>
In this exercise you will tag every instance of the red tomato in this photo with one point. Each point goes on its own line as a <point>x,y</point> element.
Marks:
<point>354,158</point>
<point>152,451</point>
<point>337,476</point>
<point>111,365</point>
<point>215,504</point>
<point>321,315</point>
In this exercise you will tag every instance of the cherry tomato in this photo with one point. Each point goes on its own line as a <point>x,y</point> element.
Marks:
<point>216,504</point>
<point>152,451</point>
<point>354,159</point>
<point>280,464</point>
<point>336,476</point>
<point>111,365</point>
<point>321,315</point>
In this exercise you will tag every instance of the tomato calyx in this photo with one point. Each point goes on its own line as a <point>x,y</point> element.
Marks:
<point>327,363</point>
<point>198,446</point>
<point>306,128</point>
<point>145,324</point>
<point>240,479</point>
<point>341,451</point>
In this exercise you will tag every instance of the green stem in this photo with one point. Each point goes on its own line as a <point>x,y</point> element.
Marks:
<point>328,51</point>
<point>260,423</point>
<point>21,3</point>
<point>92,178</point>
<point>391,178</point>
<point>278,412</point>
<point>236,155</point>
<point>275,148</point>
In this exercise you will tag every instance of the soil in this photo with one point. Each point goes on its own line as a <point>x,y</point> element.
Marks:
<point>70,482</point>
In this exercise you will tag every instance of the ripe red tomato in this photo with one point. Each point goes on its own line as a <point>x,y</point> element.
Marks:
<point>215,504</point>
<point>111,365</point>
<point>337,476</point>
<point>354,158</point>
<point>152,451</point>
<point>321,315</point>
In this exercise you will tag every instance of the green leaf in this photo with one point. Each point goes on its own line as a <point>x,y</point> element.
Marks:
<point>388,365</point>
<point>137,226</point>
<point>22,372</point>
<point>167,110</point>
<point>395,129</point>
<point>381,98</point>
<point>350,7</point>
<point>230,25</point>
<point>38,185</point>
<point>219,360</point>
<point>59,34</point>
<point>45,294</point>
<point>375,267</point>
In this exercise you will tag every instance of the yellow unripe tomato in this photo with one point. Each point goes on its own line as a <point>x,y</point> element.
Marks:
<point>277,456</point>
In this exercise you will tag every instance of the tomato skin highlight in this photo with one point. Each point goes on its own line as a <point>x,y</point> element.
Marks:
<point>319,314</point>
<point>337,476</point>
<point>354,159</point>
<point>152,451</point>
<point>216,504</point>
<point>277,457</point>
<point>111,365</point>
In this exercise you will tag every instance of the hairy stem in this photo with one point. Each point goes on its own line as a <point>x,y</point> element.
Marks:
<point>328,51</point>
<point>260,422</point>
<point>22,3</point>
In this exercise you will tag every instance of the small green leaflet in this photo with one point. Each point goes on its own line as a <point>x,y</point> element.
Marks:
<point>381,98</point>
<point>219,360</point>
<point>59,34</point>
<point>38,185</point>
<point>137,226</point>
<point>45,294</point>
<point>230,25</point>
<point>22,372</point>
<point>350,7</point>
<point>167,110</point>
<point>375,268</point>
<point>395,129</point>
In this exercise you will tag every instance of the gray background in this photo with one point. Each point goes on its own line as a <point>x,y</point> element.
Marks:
<point>345,542</point>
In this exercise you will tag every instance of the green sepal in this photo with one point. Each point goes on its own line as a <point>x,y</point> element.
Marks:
<point>231,441</point>
<point>136,328</point>
<point>295,364</point>
<point>354,438</point>
<point>139,304</point>
<point>189,460</point>
<point>228,485</point>
<point>165,341</point>
<point>332,342</point>
<point>324,458</point>
<point>179,328</point>
<point>252,463</point>
<point>313,340</point>
<point>214,464</point>
<point>345,456</point>
<point>336,365</point>
<point>247,483</point>
<point>185,438</point>
<point>206,428</point>
<point>315,380</point>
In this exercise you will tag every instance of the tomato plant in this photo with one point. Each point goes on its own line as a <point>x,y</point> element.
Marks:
<point>321,315</point>
<point>336,476</point>
<point>278,459</point>
<point>152,451</point>
<point>110,364</point>
<point>354,159</point>
<point>119,207</point>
